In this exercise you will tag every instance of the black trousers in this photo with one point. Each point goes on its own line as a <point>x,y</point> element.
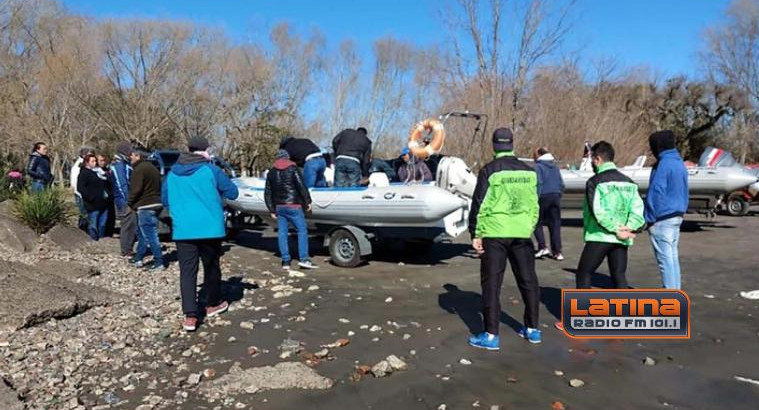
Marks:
<point>188,254</point>
<point>492,267</point>
<point>550,216</point>
<point>592,256</point>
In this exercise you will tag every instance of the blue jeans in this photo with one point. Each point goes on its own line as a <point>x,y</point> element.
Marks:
<point>147,236</point>
<point>297,218</point>
<point>313,172</point>
<point>37,185</point>
<point>347,173</point>
<point>665,235</point>
<point>96,223</point>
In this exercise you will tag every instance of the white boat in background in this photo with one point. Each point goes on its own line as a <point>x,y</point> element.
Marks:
<point>705,179</point>
<point>701,180</point>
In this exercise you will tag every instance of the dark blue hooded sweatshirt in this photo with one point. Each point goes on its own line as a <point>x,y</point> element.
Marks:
<point>194,192</point>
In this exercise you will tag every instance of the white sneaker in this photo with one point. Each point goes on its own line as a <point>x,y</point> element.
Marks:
<point>307,264</point>
<point>559,257</point>
<point>541,253</point>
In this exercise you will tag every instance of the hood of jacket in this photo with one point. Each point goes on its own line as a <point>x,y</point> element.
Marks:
<point>661,141</point>
<point>283,163</point>
<point>188,163</point>
<point>546,157</point>
<point>37,154</point>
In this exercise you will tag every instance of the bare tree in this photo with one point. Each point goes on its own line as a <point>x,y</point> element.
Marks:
<point>732,56</point>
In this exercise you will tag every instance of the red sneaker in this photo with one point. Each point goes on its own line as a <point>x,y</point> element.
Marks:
<point>190,323</point>
<point>218,309</point>
<point>559,325</point>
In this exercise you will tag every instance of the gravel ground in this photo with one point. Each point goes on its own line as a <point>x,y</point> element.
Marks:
<point>387,335</point>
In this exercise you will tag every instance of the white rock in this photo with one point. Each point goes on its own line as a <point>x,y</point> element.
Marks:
<point>576,383</point>
<point>375,328</point>
<point>247,325</point>
<point>312,288</point>
<point>382,369</point>
<point>465,362</point>
<point>389,299</point>
<point>396,363</point>
<point>343,320</point>
<point>406,336</point>
<point>296,274</point>
<point>194,379</point>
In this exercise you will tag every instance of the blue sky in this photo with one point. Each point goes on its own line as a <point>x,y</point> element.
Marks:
<point>664,35</point>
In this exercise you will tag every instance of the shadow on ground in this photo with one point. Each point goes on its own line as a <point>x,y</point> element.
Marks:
<point>468,305</point>
<point>391,252</point>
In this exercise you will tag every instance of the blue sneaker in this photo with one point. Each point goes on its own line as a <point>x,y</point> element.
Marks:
<point>486,341</point>
<point>532,335</point>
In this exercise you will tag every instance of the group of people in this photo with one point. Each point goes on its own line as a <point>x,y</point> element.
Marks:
<point>193,193</point>
<point>511,202</point>
<point>300,165</point>
<point>511,197</point>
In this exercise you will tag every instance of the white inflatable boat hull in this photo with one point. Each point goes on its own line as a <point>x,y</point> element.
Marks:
<point>393,205</point>
<point>701,180</point>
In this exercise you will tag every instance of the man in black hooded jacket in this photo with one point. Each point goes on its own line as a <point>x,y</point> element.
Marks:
<point>308,157</point>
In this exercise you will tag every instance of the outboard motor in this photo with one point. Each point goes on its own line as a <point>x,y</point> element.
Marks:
<point>454,176</point>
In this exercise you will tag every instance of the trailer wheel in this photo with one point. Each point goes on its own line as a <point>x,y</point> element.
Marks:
<point>344,249</point>
<point>737,205</point>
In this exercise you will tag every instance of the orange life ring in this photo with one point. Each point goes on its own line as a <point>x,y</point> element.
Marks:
<point>416,138</point>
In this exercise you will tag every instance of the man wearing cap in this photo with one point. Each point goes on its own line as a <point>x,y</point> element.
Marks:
<point>665,205</point>
<point>308,157</point>
<point>353,156</point>
<point>286,198</point>
<point>194,193</point>
<point>121,176</point>
<point>145,198</point>
<point>502,218</point>
<point>413,169</point>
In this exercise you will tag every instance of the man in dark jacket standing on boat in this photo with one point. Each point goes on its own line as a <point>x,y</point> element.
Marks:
<point>353,156</point>
<point>287,199</point>
<point>308,157</point>
<point>550,188</point>
<point>194,192</point>
<point>666,203</point>
<point>502,219</point>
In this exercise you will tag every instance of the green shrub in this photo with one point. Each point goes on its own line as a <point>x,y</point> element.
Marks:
<point>42,210</point>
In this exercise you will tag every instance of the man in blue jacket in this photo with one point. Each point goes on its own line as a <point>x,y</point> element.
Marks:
<point>666,203</point>
<point>550,189</point>
<point>121,176</point>
<point>194,192</point>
